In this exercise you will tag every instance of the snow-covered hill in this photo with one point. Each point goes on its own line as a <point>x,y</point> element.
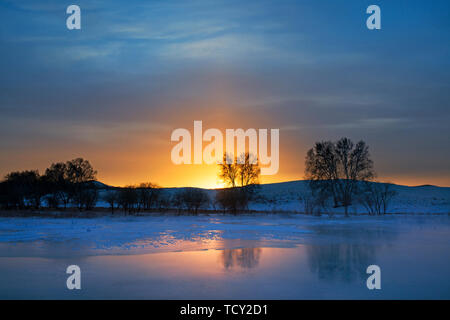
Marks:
<point>285,197</point>
<point>420,199</point>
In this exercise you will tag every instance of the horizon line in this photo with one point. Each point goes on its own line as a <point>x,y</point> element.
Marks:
<point>270,183</point>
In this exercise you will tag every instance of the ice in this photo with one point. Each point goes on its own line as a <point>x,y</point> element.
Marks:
<point>118,235</point>
<point>226,257</point>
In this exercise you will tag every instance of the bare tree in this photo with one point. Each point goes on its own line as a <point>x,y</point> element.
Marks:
<point>80,170</point>
<point>112,198</point>
<point>128,199</point>
<point>23,189</point>
<point>242,175</point>
<point>228,170</point>
<point>149,194</point>
<point>376,197</point>
<point>192,199</point>
<point>387,194</point>
<point>248,169</point>
<point>58,184</point>
<point>334,169</point>
<point>233,199</point>
<point>80,175</point>
<point>242,171</point>
<point>177,201</point>
<point>87,196</point>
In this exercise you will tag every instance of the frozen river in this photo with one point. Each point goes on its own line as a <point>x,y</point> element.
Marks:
<point>226,257</point>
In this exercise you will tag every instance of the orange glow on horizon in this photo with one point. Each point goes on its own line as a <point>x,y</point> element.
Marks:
<point>206,176</point>
<point>137,152</point>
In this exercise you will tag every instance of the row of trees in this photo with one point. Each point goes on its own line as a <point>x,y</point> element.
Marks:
<point>72,183</point>
<point>147,197</point>
<point>340,173</point>
<point>241,175</point>
<point>135,199</point>
<point>132,199</point>
<point>64,183</point>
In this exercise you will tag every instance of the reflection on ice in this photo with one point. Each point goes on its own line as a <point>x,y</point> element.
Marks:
<point>347,257</point>
<point>246,258</point>
<point>345,262</point>
<point>298,258</point>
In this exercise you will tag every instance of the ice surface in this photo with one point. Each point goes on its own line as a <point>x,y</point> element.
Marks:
<point>258,257</point>
<point>123,235</point>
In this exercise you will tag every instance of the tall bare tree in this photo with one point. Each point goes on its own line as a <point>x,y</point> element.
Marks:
<point>81,176</point>
<point>112,198</point>
<point>228,170</point>
<point>80,170</point>
<point>243,171</point>
<point>58,184</point>
<point>337,168</point>
<point>148,195</point>
<point>248,169</point>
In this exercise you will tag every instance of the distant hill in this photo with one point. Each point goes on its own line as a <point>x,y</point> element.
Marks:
<point>101,185</point>
<point>284,197</point>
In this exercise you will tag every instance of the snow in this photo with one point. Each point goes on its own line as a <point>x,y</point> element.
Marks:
<point>421,199</point>
<point>117,235</point>
<point>284,197</point>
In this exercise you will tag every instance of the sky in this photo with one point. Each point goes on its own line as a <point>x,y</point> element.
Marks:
<point>114,91</point>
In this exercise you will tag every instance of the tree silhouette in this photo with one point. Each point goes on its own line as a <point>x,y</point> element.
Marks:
<point>248,169</point>
<point>334,169</point>
<point>228,170</point>
<point>242,171</point>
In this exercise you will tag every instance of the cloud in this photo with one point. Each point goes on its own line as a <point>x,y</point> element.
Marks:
<point>310,69</point>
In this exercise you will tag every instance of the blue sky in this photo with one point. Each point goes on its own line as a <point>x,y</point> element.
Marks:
<point>139,69</point>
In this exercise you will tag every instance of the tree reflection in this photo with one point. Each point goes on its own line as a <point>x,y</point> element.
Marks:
<point>346,262</point>
<point>244,258</point>
<point>347,255</point>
